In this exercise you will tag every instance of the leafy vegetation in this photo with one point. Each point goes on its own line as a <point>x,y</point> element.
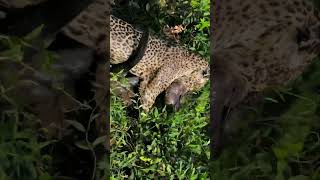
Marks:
<point>281,138</point>
<point>27,150</point>
<point>276,138</point>
<point>162,144</point>
<point>159,143</point>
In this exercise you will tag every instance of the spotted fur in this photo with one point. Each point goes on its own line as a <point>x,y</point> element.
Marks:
<point>161,65</point>
<point>260,38</point>
<point>89,27</point>
<point>258,44</point>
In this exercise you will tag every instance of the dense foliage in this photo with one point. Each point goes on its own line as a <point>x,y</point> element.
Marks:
<point>276,138</point>
<point>162,143</point>
<point>27,150</point>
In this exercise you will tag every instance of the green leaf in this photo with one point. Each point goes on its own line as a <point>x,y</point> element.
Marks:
<point>99,140</point>
<point>82,145</point>
<point>271,99</point>
<point>34,34</point>
<point>280,153</point>
<point>156,113</point>
<point>145,159</point>
<point>14,53</point>
<point>76,125</point>
<point>44,144</point>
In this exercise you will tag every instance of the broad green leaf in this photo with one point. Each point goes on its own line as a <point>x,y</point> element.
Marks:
<point>100,140</point>
<point>83,145</point>
<point>76,125</point>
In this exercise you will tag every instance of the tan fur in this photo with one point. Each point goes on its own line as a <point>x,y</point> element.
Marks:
<point>259,38</point>
<point>257,44</point>
<point>160,66</point>
<point>89,27</point>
